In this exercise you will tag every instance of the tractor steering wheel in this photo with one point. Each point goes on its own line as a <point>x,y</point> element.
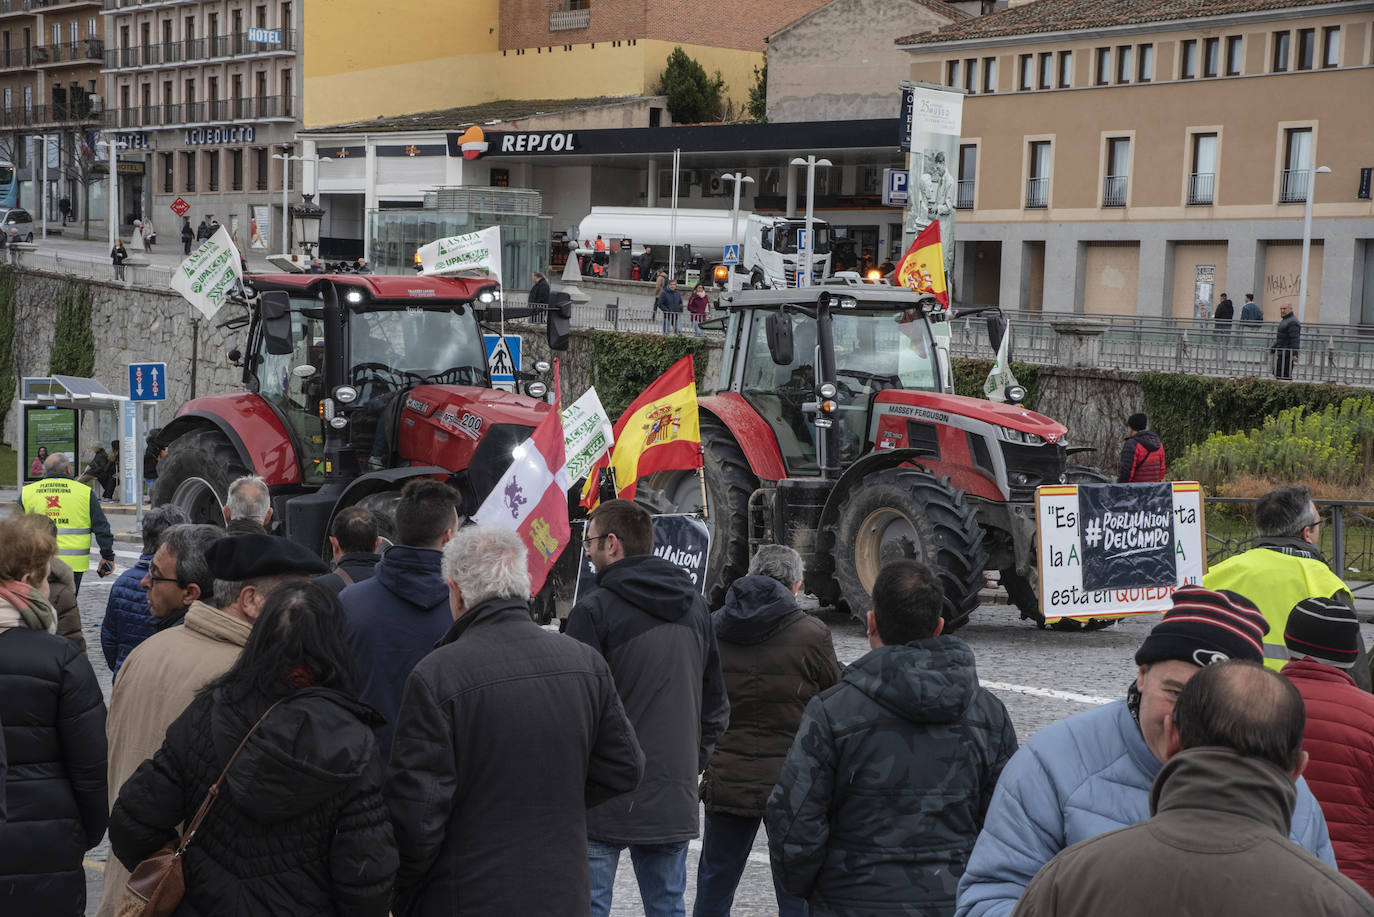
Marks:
<point>454,375</point>
<point>393,378</point>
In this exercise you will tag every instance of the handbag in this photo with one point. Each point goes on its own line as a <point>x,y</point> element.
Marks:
<point>157,885</point>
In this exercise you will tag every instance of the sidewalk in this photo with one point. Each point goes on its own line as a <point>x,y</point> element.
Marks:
<point>71,252</point>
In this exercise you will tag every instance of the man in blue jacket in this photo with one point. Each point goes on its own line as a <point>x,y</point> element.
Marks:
<point>1091,773</point>
<point>396,617</point>
<point>128,619</point>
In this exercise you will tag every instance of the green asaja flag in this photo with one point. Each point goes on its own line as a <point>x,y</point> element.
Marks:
<point>471,253</point>
<point>999,377</point>
<point>210,274</point>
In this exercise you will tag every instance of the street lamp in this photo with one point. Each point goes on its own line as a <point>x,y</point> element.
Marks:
<point>738,178</point>
<point>112,151</point>
<point>305,220</point>
<point>42,195</point>
<point>286,160</point>
<point>1307,237</point>
<point>804,268</point>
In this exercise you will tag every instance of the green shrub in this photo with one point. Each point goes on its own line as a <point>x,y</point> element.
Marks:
<point>623,365</point>
<point>73,346</point>
<point>693,97</point>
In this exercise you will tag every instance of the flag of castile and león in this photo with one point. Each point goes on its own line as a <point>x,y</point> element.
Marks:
<point>923,266</point>
<point>659,431</point>
<point>532,498</point>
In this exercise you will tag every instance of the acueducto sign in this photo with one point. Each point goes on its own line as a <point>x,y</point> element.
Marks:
<point>474,144</point>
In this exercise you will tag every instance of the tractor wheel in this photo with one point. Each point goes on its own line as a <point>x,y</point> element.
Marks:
<point>196,474</point>
<point>729,483</point>
<point>901,512</point>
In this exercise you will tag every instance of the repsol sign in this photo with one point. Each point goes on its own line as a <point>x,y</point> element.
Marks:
<point>517,143</point>
<point>209,136</point>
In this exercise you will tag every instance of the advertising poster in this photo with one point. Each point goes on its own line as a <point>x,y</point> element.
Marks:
<point>933,165</point>
<point>260,230</point>
<point>54,429</point>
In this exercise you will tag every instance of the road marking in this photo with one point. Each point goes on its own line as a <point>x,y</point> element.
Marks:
<point>1048,692</point>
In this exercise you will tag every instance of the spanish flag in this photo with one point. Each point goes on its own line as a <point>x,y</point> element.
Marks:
<point>923,266</point>
<point>658,432</point>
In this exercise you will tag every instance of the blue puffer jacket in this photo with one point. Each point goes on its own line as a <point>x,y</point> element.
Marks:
<point>128,621</point>
<point>1075,779</point>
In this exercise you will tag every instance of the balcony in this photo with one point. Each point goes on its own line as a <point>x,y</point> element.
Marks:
<point>67,54</point>
<point>563,20</point>
<point>256,108</point>
<point>964,198</point>
<point>1038,193</point>
<point>30,7</point>
<point>1201,187</point>
<point>132,4</point>
<point>1293,186</point>
<point>39,115</point>
<point>196,50</point>
<point>1113,191</point>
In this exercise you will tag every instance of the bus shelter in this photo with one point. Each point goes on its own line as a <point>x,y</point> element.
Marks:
<point>51,409</point>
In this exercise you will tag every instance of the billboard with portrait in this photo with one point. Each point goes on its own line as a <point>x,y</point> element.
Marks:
<point>936,118</point>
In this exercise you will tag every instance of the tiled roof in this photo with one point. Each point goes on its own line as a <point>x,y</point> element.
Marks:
<point>486,113</point>
<point>942,7</point>
<point>1086,15</point>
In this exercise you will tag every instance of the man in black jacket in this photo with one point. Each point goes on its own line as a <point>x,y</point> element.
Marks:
<point>353,539</point>
<point>652,626</point>
<point>890,776</point>
<point>1287,340</point>
<point>507,733</point>
<point>539,297</point>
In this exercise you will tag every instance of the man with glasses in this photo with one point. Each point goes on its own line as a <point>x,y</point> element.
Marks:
<point>1284,567</point>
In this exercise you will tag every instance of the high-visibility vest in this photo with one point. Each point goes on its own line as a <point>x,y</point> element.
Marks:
<point>67,503</point>
<point>1275,582</point>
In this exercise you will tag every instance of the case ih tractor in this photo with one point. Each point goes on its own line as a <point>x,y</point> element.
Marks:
<point>355,384</point>
<point>834,430</point>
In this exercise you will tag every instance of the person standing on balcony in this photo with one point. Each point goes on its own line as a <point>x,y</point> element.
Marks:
<point>1287,340</point>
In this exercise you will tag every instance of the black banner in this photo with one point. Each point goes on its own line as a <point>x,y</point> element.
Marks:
<point>681,539</point>
<point>1127,533</point>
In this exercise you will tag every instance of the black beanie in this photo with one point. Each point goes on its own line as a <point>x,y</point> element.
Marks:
<point>1205,627</point>
<point>1323,630</point>
<point>1137,422</point>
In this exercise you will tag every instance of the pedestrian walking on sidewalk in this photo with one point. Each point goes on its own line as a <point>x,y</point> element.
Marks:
<point>118,255</point>
<point>188,236</point>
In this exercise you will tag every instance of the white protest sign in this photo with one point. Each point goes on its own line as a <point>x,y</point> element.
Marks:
<point>1063,537</point>
<point>587,434</point>
<point>211,273</point>
<point>474,252</point>
<point>999,377</point>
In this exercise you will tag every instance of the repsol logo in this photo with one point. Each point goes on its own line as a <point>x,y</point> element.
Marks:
<point>546,142</point>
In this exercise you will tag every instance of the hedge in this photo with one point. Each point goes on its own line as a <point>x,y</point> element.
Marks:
<point>623,365</point>
<point>969,376</point>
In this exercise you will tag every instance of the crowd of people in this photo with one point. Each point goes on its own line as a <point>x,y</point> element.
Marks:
<point>393,734</point>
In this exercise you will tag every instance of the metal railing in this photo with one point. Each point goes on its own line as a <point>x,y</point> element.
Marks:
<point>93,266</point>
<point>1114,191</point>
<point>67,52</point>
<point>1347,535</point>
<point>176,113</point>
<point>1293,186</point>
<point>1200,187</point>
<point>35,115</point>
<point>562,20</point>
<point>1038,192</point>
<point>963,199</point>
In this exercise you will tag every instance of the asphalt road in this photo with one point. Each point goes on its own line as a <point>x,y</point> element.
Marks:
<point>1041,676</point>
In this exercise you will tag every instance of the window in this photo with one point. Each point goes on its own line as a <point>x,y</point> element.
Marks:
<point>1038,183</point>
<point>1123,64</point>
<point>968,174</point>
<point>261,15</point>
<point>1027,65</point>
<point>1118,169</point>
<point>1046,70</point>
<point>971,74</point>
<point>1280,51</point>
<point>1104,66</point>
<point>952,73</point>
<point>1234,45</point>
<point>1187,59</point>
<point>260,163</point>
<point>1065,69</point>
<point>1331,46</point>
<point>236,170</point>
<point>166,163</point>
<point>1202,179</point>
<point>92,30</point>
<point>212,169</point>
<point>57,33</point>
<point>9,98</point>
<point>1297,165</point>
<point>1147,63</point>
<point>286,21</point>
<point>1211,57</point>
<point>1307,48</point>
<point>188,168</point>
<point>989,74</point>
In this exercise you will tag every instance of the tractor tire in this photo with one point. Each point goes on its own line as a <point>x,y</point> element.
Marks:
<point>729,483</point>
<point>901,512</point>
<point>196,474</point>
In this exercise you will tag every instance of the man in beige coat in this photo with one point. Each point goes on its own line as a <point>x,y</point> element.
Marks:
<point>161,676</point>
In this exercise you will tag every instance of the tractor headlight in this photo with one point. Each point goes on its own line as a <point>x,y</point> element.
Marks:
<point>346,394</point>
<point>1016,393</point>
<point>1017,436</point>
<point>828,390</point>
<point>354,296</point>
<point>536,389</point>
<point>339,422</point>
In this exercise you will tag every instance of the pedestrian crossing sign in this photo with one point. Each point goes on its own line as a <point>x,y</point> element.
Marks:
<point>503,359</point>
<point>731,255</point>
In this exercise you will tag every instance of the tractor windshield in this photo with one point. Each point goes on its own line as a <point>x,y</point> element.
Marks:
<point>410,345</point>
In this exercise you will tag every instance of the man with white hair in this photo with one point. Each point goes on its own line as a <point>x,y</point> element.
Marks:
<point>249,506</point>
<point>501,706</point>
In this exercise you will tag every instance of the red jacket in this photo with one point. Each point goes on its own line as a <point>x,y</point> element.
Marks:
<point>1142,459</point>
<point>1339,738</point>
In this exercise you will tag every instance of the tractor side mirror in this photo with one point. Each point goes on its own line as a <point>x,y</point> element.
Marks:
<point>997,327</point>
<point>276,321</point>
<point>778,328</point>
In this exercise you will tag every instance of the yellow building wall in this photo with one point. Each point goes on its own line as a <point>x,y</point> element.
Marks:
<point>1186,260</point>
<point>359,85</point>
<point>1111,277</point>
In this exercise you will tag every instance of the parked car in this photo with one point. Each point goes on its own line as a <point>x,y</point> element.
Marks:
<point>21,219</point>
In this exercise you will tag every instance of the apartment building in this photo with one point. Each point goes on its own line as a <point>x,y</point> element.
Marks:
<point>50,54</point>
<point>1140,158</point>
<point>205,95</point>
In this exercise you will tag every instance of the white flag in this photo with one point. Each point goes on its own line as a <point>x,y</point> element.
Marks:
<point>999,377</point>
<point>473,252</point>
<point>211,273</point>
<point>587,434</point>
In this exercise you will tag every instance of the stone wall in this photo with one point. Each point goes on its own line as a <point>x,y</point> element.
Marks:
<point>1094,405</point>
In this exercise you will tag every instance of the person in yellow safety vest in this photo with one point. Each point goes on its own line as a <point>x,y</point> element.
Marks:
<point>76,510</point>
<point>1283,568</point>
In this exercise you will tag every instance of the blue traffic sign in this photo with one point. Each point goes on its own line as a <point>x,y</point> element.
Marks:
<point>803,243</point>
<point>731,255</point>
<point>147,381</point>
<point>503,357</point>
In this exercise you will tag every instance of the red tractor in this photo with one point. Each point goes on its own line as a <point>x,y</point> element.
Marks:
<point>354,384</point>
<point>835,431</point>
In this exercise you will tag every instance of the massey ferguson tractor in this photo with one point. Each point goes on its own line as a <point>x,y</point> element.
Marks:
<point>835,431</point>
<point>354,384</point>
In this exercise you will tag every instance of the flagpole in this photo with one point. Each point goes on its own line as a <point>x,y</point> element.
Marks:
<point>701,476</point>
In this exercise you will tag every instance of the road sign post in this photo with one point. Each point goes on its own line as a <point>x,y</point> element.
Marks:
<point>131,457</point>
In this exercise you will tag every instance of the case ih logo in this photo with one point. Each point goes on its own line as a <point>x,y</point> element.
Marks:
<point>473,142</point>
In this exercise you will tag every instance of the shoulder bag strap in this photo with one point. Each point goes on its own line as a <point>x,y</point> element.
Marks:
<point>213,793</point>
<point>343,575</point>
